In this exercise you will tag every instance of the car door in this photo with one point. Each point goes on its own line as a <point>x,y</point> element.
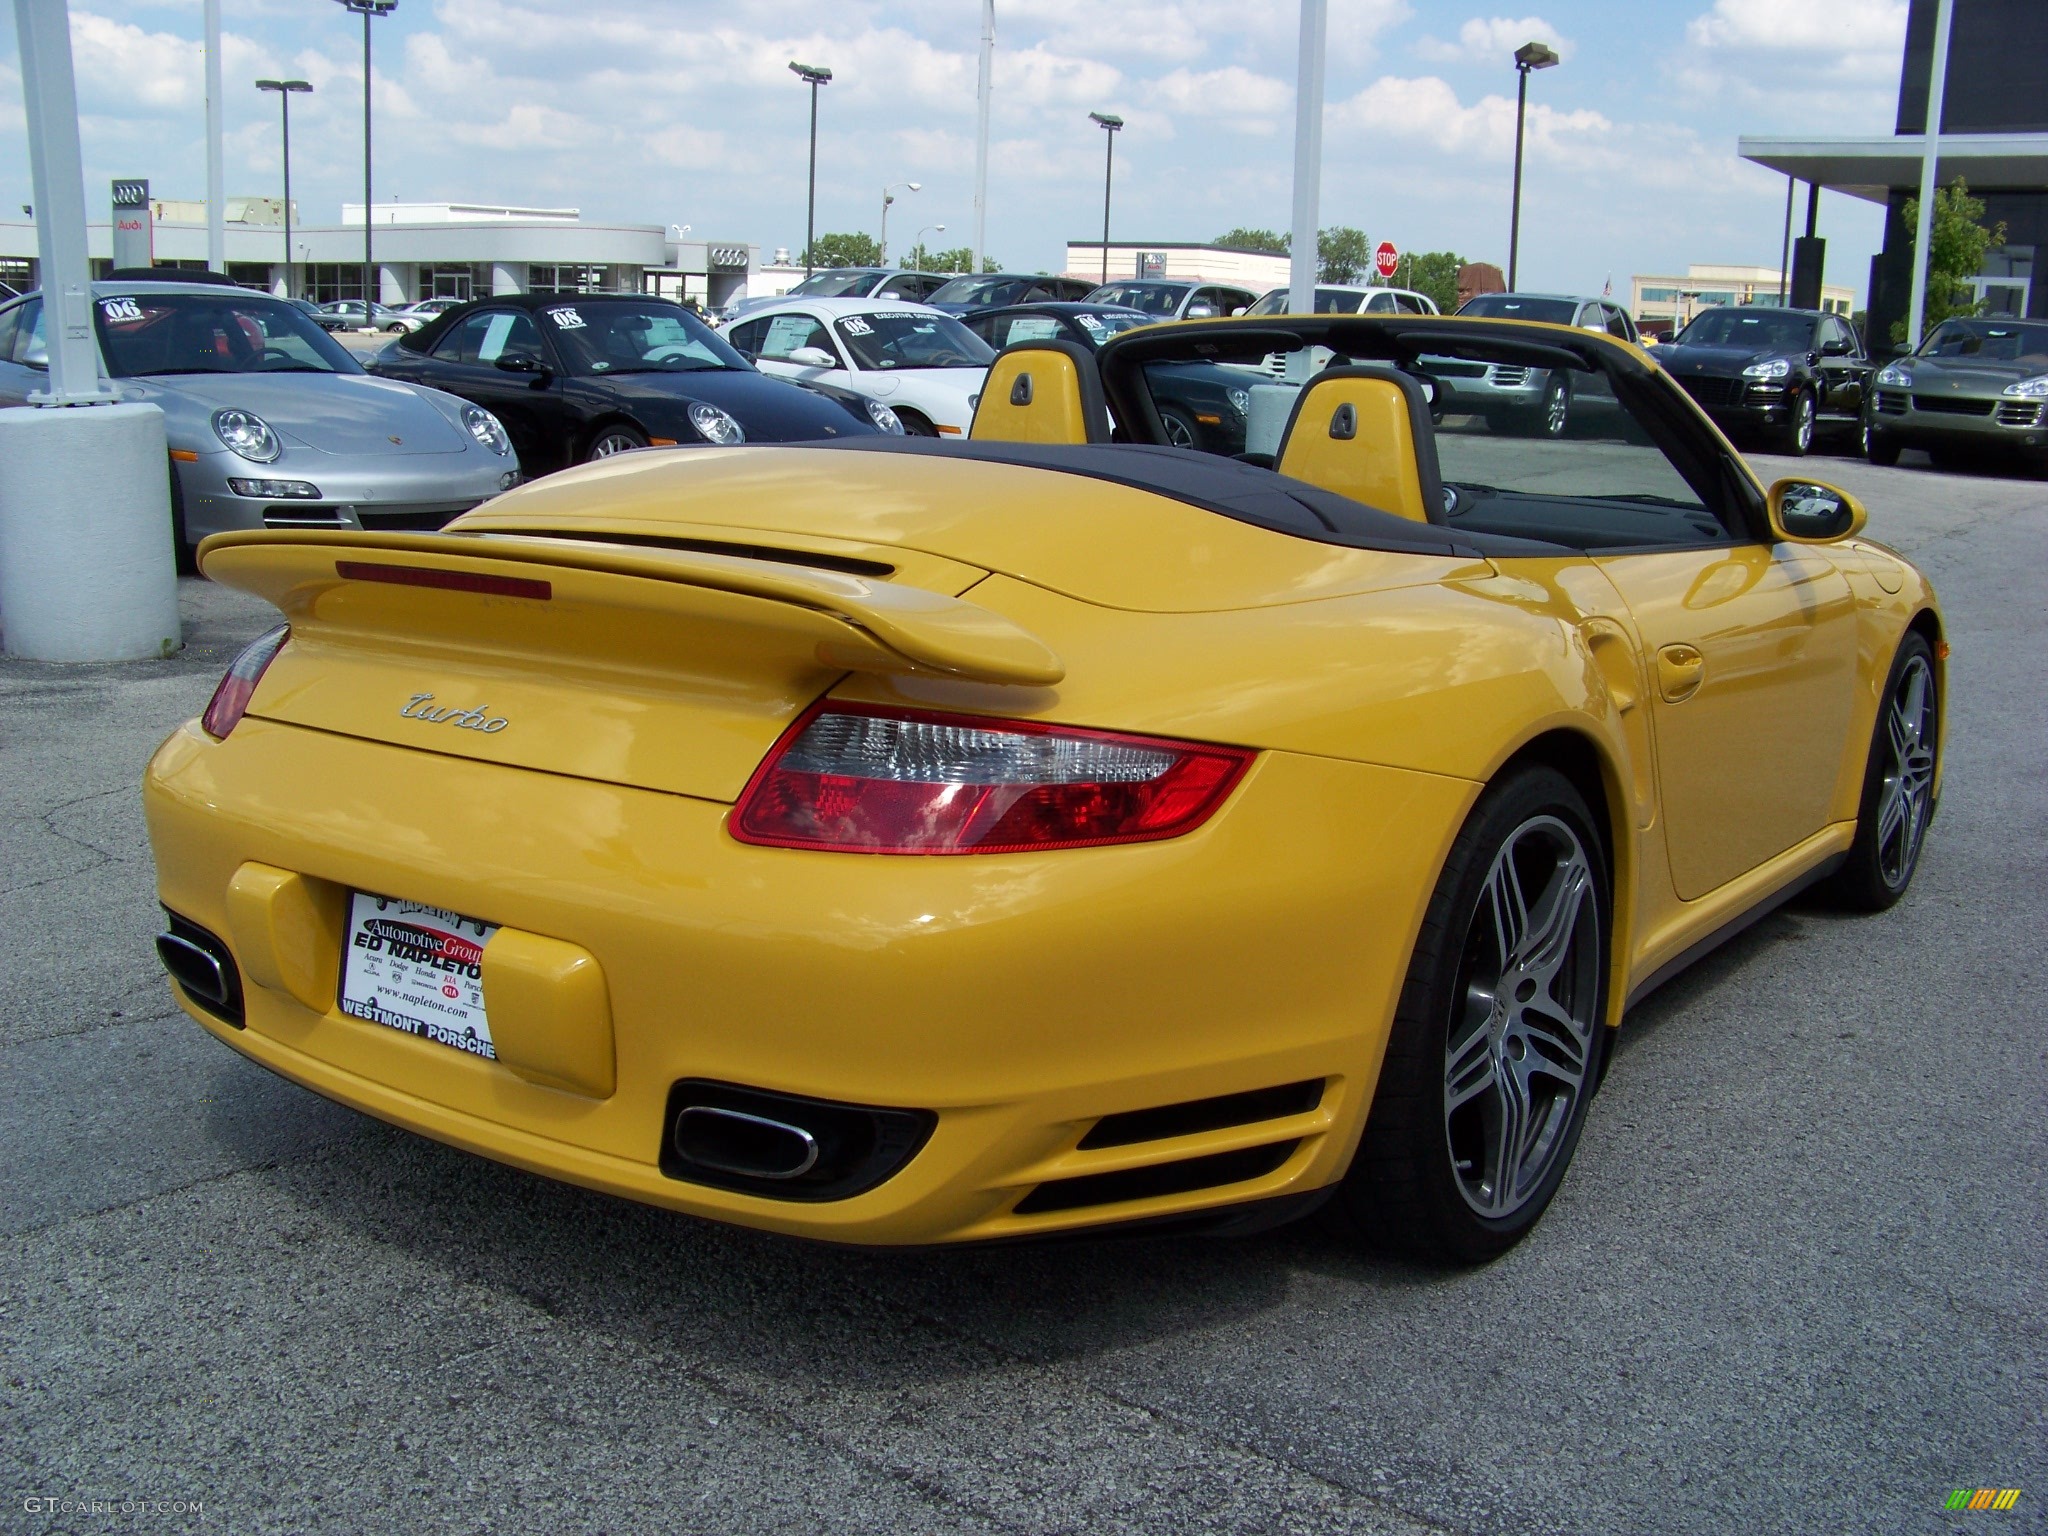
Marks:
<point>1750,652</point>
<point>466,362</point>
<point>21,337</point>
<point>1843,369</point>
<point>795,331</point>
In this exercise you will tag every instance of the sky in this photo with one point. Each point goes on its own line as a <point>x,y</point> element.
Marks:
<point>684,111</point>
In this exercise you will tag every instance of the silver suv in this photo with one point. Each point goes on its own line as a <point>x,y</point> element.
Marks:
<point>1537,401</point>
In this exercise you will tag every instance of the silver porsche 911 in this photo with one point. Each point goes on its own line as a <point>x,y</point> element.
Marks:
<point>270,422</point>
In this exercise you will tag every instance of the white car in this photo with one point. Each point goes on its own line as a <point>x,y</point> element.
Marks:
<point>1350,299</point>
<point>414,316</point>
<point>920,362</point>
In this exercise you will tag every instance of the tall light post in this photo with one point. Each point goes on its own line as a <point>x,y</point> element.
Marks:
<point>285,90</point>
<point>929,229</point>
<point>1527,57</point>
<point>888,197</point>
<point>814,77</point>
<point>368,10</point>
<point>1110,124</point>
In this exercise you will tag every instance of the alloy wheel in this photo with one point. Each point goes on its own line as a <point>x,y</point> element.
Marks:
<point>1178,432</point>
<point>1520,1048</point>
<point>1906,794</point>
<point>613,442</point>
<point>1557,405</point>
<point>1802,422</point>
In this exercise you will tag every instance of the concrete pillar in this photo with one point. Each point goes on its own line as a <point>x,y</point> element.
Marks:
<point>86,570</point>
<point>395,283</point>
<point>508,277</point>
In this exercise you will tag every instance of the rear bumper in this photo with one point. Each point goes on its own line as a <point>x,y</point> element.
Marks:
<point>1019,998</point>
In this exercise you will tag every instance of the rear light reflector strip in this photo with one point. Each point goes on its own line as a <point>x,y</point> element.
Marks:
<point>853,778</point>
<point>447,581</point>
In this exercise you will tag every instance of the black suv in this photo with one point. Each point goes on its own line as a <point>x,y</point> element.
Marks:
<point>1782,375</point>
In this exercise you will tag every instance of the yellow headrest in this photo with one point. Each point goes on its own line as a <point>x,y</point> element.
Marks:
<point>1041,392</point>
<point>1365,433</point>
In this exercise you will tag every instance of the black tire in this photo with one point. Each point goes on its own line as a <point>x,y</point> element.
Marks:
<point>915,425</point>
<point>182,550</point>
<point>1552,418</point>
<point>1416,1186</point>
<point>1180,432</point>
<point>613,437</point>
<point>1881,448</point>
<point>1795,438</point>
<point>1897,804</point>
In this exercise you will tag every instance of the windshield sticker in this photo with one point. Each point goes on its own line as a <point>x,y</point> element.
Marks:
<point>1093,322</point>
<point>566,318</point>
<point>853,325</point>
<point>120,309</point>
<point>494,336</point>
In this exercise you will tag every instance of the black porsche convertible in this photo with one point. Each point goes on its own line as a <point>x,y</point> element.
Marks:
<point>575,377</point>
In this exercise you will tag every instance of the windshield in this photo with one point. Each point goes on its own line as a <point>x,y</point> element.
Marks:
<point>1153,298</point>
<point>609,336</point>
<point>1329,301</point>
<point>1990,341</point>
<point>977,290</point>
<point>1515,306</point>
<point>851,282</point>
<point>1749,330</point>
<point>905,339</point>
<point>146,334</point>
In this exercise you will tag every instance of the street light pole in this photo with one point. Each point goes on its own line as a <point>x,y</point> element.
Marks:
<point>1527,57</point>
<point>368,9</point>
<point>918,254</point>
<point>1110,124</point>
<point>887,199</point>
<point>285,90</point>
<point>814,77</point>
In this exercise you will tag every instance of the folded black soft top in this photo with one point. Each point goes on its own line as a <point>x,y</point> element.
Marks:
<point>1231,488</point>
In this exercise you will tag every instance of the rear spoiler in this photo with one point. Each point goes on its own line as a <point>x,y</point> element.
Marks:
<point>856,624</point>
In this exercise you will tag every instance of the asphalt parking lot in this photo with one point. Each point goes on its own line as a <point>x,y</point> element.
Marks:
<point>1795,1282</point>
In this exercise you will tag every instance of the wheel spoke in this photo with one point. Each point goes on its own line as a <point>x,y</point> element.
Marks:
<point>1469,1069</point>
<point>1558,1043</point>
<point>1511,1136</point>
<point>1556,919</point>
<point>1510,909</point>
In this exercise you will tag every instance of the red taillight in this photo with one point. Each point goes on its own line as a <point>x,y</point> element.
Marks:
<point>853,778</point>
<point>231,699</point>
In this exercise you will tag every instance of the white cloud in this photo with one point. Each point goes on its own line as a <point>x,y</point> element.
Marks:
<point>1232,91</point>
<point>1427,111</point>
<point>1835,27</point>
<point>1493,39</point>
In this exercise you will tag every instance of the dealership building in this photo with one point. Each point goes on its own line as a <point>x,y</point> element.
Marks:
<point>1993,135</point>
<point>422,250</point>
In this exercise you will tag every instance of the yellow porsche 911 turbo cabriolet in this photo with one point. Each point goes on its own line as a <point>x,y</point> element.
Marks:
<point>910,842</point>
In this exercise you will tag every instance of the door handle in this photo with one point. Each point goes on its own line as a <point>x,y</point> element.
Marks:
<point>1680,670</point>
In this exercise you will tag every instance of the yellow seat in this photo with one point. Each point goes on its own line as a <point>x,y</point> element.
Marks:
<point>1042,392</point>
<point>1365,433</point>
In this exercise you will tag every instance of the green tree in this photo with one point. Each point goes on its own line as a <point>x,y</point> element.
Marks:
<point>1343,254</point>
<point>844,251</point>
<point>1254,240</point>
<point>1956,243</point>
<point>958,259</point>
<point>1434,273</point>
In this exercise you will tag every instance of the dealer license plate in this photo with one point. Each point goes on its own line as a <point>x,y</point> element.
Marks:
<point>418,969</point>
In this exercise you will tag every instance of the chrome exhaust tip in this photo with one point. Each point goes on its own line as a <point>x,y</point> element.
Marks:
<point>750,1146</point>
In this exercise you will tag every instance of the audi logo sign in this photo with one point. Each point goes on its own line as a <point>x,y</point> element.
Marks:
<point>131,194</point>
<point>731,257</point>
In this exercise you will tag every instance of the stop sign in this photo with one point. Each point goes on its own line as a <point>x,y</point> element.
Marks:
<point>1385,258</point>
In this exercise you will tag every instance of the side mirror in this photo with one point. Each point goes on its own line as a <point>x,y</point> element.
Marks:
<point>1200,312</point>
<point>521,362</point>
<point>1807,512</point>
<point>812,357</point>
<point>1835,348</point>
